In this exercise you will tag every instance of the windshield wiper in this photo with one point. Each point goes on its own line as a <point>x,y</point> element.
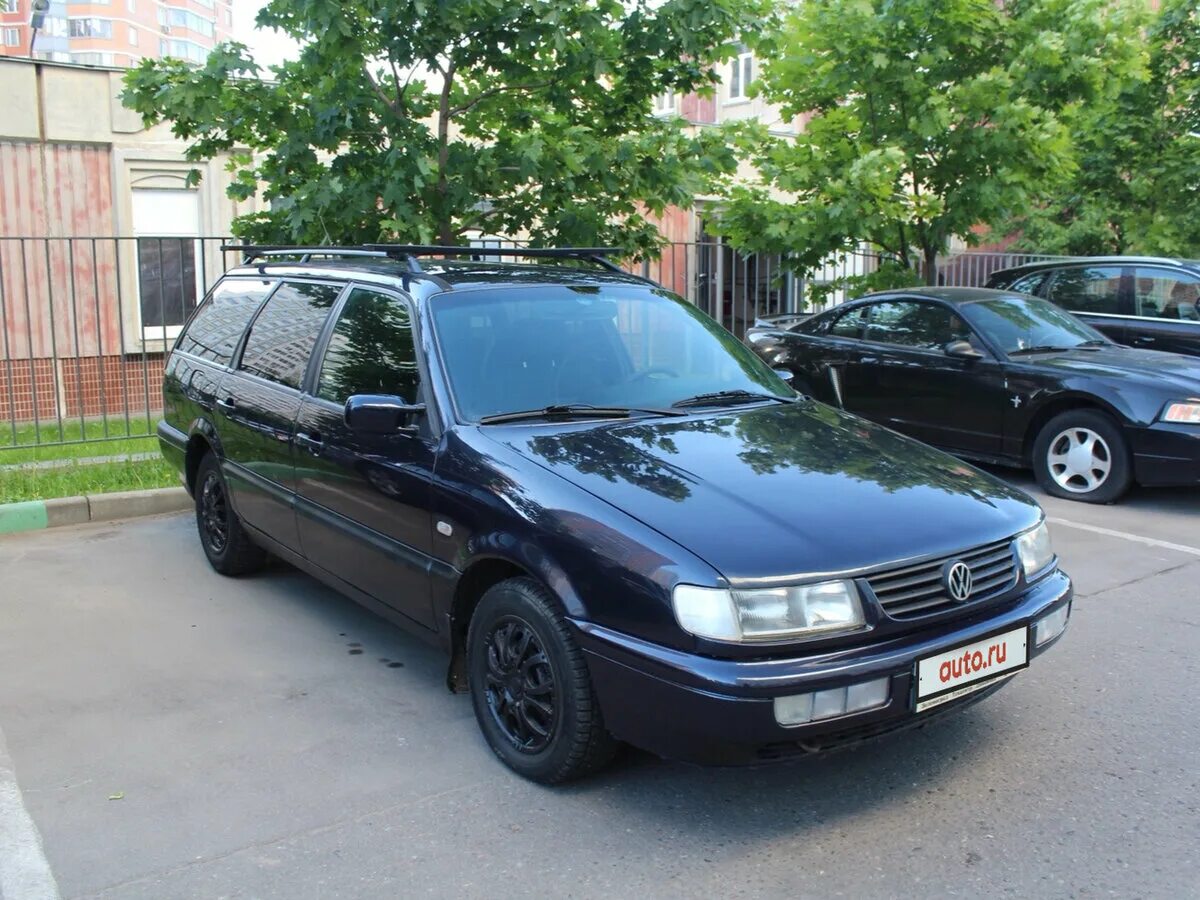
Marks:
<point>717,398</point>
<point>1042,348</point>
<point>575,411</point>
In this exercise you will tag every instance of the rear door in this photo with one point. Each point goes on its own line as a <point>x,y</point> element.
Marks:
<point>1166,304</point>
<point>909,383</point>
<point>257,404</point>
<point>363,500</point>
<point>1094,293</point>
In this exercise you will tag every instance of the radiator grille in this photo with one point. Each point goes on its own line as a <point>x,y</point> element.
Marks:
<point>918,589</point>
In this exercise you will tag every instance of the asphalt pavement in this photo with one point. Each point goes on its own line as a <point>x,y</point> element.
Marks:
<point>168,733</point>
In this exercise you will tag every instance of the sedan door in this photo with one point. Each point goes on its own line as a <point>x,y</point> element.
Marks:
<point>363,499</point>
<point>1095,294</point>
<point>1167,310</point>
<point>257,404</point>
<point>907,380</point>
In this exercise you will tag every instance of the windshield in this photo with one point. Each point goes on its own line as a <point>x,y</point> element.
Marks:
<point>1015,324</point>
<point>514,349</point>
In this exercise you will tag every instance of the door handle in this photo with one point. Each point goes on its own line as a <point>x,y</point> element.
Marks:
<point>868,360</point>
<point>310,442</point>
<point>227,404</point>
<point>1144,339</point>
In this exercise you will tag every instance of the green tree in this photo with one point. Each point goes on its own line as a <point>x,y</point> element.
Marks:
<point>925,119</point>
<point>422,120</point>
<point>1139,157</point>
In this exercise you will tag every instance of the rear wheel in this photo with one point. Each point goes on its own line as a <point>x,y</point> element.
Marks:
<point>226,544</point>
<point>1081,455</point>
<point>530,686</point>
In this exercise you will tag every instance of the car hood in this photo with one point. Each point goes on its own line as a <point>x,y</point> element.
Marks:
<point>770,492</point>
<point>1172,370</point>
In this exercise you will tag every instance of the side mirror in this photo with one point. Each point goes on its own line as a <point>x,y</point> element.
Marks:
<point>381,414</point>
<point>962,350</point>
<point>786,374</point>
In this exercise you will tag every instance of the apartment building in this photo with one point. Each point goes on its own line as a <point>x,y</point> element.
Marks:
<point>116,32</point>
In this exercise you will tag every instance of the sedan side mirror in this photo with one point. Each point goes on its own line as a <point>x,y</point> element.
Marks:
<point>786,374</point>
<point>381,414</point>
<point>962,350</point>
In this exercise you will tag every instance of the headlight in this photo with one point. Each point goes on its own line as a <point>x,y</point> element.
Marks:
<point>1187,412</point>
<point>767,614</point>
<point>1035,551</point>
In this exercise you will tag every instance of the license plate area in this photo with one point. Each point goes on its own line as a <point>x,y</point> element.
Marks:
<point>970,667</point>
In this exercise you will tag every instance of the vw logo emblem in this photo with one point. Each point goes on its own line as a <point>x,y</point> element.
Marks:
<point>956,575</point>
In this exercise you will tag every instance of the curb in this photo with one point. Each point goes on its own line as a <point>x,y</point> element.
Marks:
<point>31,515</point>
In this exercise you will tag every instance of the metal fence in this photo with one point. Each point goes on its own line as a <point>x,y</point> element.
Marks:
<point>86,322</point>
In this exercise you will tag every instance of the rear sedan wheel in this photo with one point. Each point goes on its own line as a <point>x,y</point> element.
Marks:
<point>530,686</point>
<point>226,544</point>
<point>1081,455</point>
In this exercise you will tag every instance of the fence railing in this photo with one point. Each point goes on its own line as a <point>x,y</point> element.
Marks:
<point>86,322</point>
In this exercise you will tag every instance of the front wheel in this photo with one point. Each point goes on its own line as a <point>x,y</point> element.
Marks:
<point>1082,455</point>
<point>530,686</point>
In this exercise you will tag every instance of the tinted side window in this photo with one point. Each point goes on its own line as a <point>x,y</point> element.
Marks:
<point>371,350</point>
<point>848,325</point>
<point>222,317</point>
<point>922,326</point>
<point>1028,284</point>
<point>282,337</point>
<point>1164,294</point>
<point>1095,289</point>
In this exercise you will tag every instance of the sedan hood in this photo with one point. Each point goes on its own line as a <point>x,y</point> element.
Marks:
<point>1171,370</point>
<point>776,491</point>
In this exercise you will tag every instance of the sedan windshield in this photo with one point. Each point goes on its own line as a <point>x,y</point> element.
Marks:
<point>554,347</point>
<point>1020,325</point>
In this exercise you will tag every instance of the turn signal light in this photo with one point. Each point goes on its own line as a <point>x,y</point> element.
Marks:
<point>800,709</point>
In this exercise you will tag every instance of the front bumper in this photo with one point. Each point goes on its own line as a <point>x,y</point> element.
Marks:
<point>1166,453</point>
<point>699,709</point>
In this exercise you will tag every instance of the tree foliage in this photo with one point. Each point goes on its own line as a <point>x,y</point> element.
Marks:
<point>424,120</point>
<point>925,119</point>
<point>1138,177</point>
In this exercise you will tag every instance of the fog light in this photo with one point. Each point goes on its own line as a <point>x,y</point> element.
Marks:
<point>799,709</point>
<point>1047,628</point>
<point>794,710</point>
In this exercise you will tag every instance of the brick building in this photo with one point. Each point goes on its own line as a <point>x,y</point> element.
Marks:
<point>116,32</point>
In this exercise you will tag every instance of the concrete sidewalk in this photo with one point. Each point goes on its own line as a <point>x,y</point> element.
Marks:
<point>31,515</point>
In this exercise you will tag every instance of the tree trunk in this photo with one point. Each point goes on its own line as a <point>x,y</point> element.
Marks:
<point>931,267</point>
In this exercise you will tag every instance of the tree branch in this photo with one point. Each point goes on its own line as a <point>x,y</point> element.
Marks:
<point>379,92</point>
<point>491,92</point>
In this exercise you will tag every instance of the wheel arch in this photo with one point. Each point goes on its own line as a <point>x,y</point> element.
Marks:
<point>1063,403</point>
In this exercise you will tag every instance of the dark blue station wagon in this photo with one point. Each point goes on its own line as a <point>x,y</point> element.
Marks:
<point>619,523</point>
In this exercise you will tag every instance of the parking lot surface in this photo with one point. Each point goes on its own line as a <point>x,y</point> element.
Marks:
<point>175,734</point>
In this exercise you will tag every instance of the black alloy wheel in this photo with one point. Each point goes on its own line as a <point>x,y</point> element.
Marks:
<point>226,544</point>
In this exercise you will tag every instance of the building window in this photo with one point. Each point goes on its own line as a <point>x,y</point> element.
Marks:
<point>91,27</point>
<point>664,103</point>
<point>55,26</point>
<point>741,73</point>
<point>131,5</point>
<point>228,18</point>
<point>93,58</point>
<point>12,37</point>
<point>166,223</point>
<point>182,18</point>
<point>133,36</point>
<point>8,6</point>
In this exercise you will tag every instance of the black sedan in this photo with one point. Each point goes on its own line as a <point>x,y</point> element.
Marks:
<point>1002,378</point>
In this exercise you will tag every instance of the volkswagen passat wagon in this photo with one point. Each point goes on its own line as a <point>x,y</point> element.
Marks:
<point>619,523</point>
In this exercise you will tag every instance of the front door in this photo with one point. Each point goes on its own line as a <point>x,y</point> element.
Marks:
<point>906,380</point>
<point>363,500</point>
<point>1094,293</point>
<point>1167,309</point>
<point>257,404</point>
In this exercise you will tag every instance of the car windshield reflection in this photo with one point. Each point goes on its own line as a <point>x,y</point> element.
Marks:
<point>555,347</point>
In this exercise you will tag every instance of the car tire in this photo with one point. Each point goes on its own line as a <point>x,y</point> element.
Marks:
<point>1081,455</point>
<point>225,541</point>
<point>530,686</point>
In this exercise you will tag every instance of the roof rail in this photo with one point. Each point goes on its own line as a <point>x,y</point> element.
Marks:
<point>410,252</point>
<point>252,252</point>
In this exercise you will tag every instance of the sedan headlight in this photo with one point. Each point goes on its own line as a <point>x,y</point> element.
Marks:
<point>1033,547</point>
<point>770,613</point>
<point>1186,412</point>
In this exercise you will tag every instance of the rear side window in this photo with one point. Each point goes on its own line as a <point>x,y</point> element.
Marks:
<point>1028,284</point>
<point>1094,289</point>
<point>282,337</point>
<point>922,326</point>
<point>1164,294</point>
<point>371,350</point>
<point>219,322</point>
